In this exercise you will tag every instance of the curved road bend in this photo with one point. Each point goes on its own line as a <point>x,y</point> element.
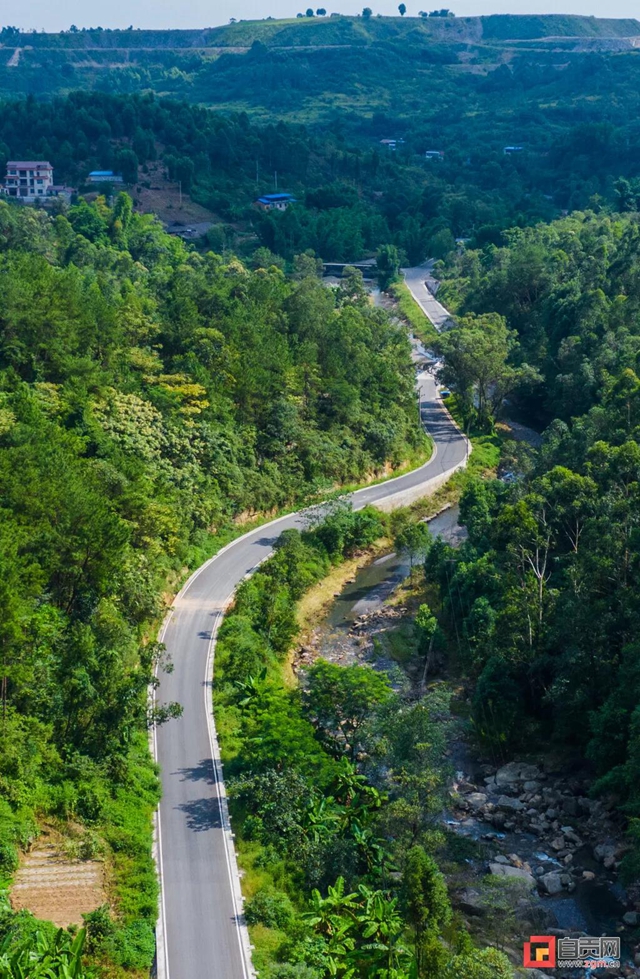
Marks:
<point>201,934</point>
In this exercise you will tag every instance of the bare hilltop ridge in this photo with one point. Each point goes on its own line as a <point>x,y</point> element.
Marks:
<point>308,67</point>
<point>335,29</point>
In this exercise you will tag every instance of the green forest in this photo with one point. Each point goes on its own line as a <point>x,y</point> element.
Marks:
<point>158,397</point>
<point>149,398</point>
<point>543,598</point>
<point>353,194</point>
<point>574,125</point>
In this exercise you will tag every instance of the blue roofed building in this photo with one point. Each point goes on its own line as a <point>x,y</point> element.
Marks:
<point>104,177</point>
<point>275,202</point>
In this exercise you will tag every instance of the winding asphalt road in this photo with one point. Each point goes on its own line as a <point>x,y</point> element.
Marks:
<point>201,931</point>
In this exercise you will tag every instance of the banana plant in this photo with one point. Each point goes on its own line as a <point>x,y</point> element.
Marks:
<point>327,914</point>
<point>373,850</point>
<point>322,817</point>
<point>359,798</point>
<point>39,957</point>
<point>252,688</point>
<point>381,928</point>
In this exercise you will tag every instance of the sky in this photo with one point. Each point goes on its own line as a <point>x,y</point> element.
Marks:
<point>43,14</point>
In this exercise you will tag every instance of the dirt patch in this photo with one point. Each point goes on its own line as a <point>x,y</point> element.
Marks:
<point>162,197</point>
<point>520,433</point>
<point>57,889</point>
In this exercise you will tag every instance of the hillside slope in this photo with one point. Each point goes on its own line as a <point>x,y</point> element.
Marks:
<point>304,54</point>
<point>320,31</point>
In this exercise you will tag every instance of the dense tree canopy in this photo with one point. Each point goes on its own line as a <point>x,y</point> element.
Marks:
<point>544,597</point>
<point>154,396</point>
<point>334,787</point>
<point>149,396</point>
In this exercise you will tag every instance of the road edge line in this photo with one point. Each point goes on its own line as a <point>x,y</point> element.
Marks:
<point>223,805</point>
<point>162,948</point>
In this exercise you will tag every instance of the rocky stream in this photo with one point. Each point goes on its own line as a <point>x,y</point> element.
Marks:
<point>531,822</point>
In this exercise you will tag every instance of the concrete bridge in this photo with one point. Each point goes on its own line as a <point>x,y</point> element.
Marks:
<point>368,268</point>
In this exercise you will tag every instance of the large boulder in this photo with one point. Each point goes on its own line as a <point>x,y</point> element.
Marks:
<point>469,901</point>
<point>517,771</point>
<point>551,883</point>
<point>516,873</point>
<point>508,773</point>
<point>604,851</point>
<point>510,805</point>
<point>571,835</point>
<point>476,800</point>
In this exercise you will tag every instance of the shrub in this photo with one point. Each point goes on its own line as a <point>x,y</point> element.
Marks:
<point>270,908</point>
<point>134,946</point>
<point>8,857</point>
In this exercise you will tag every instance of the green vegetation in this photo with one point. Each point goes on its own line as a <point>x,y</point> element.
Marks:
<point>542,600</point>
<point>149,397</point>
<point>206,65</point>
<point>414,539</point>
<point>574,125</point>
<point>155,396</point>
<point>411,313</point>
<point>477,351</point>
<point>334,785</point>
<point>487,446</point>
<point>56,956</point>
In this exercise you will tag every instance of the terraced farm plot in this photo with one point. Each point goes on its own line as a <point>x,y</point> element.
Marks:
<point>57,889</point>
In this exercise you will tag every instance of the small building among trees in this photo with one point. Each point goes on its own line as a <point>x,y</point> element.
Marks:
<point>104,177</point>
<point>275,202</point>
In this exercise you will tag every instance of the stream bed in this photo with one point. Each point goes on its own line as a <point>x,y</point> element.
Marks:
<point>377,581</point>
<point>524,833</point>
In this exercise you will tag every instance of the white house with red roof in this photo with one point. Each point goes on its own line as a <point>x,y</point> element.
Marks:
<point>28,179</point>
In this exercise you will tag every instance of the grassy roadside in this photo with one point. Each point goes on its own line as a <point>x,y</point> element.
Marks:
<point>485,456</point>
<point>417,459</point>
<point>411,313</point>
